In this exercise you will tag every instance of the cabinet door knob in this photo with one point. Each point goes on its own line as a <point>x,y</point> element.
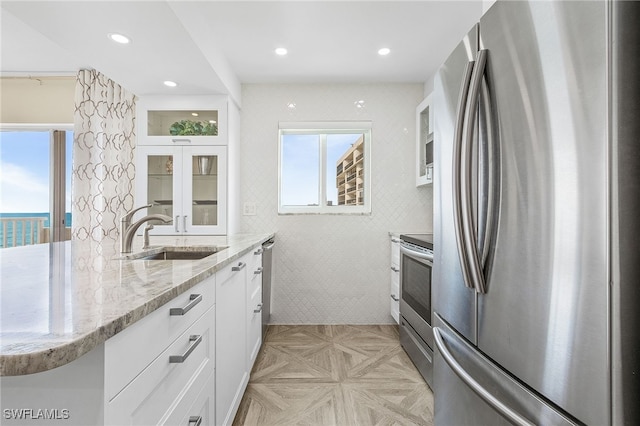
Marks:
<point>194,299</point>
<point>258,271</point>
<point>259,309</point>
<point>177,359</point>
<point>195,420</point>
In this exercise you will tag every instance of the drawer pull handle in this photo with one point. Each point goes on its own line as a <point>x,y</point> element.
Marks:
<point>258,271</point>
<point>195,420</point>
<point>195,341</point>
<point>194,300</point>
<point>395,298</point>
<point>181,140</point>
<point>394,269</point>
<point>259,251</point>
<point>240,266</point>
<point>257,311</point>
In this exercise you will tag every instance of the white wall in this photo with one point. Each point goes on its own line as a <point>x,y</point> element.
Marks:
<point>334,268</point>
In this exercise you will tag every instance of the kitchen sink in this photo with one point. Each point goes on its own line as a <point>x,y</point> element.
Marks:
<point>176,253</point>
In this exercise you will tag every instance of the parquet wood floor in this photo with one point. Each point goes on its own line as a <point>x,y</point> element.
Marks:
<point>341,375</point>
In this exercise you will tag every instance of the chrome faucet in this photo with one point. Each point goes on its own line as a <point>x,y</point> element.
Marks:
<point>126,238</point>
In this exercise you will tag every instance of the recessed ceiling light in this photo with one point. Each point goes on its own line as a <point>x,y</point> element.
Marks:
<point>195,114</point>
<point>119,38</point>
<point>212,121</point>
<point>384,51</point>
<point>169,83</point>
<point>281,51</point>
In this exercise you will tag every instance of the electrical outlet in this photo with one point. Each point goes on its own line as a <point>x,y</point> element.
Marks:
<point>249,209</point>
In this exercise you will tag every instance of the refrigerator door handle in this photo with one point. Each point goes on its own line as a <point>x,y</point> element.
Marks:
<point>498,405</point>
<point>490,172</point>
<point>468,228</point>
<point>457,192</point>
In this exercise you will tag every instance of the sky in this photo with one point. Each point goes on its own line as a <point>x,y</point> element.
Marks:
<point>25,171</point>
<point>300,174</point>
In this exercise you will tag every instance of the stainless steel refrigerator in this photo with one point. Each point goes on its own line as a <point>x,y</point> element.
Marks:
<point>536,276</point>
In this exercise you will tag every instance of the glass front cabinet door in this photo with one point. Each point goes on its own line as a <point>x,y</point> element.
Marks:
<point>182,120</point>
<point>424,143</point>
<point>187,183</point>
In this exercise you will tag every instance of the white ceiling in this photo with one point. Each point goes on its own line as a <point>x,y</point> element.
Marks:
<point>215,46</point>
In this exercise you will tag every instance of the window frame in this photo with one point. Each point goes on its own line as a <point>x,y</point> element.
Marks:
<point>57,174</point>
<point>322,129</point>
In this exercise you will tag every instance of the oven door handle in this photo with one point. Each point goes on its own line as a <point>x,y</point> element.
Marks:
<point>414,253</point>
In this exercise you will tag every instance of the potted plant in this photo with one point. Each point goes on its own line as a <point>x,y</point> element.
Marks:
<point>193,128</point>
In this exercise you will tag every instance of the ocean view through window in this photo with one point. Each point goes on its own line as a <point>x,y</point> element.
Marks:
<point>27,161</point>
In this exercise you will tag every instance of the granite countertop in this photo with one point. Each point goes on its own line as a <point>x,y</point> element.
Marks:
<point>61,300</point>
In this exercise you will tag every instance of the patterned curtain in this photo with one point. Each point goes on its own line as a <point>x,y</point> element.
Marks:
<point>103,157</point>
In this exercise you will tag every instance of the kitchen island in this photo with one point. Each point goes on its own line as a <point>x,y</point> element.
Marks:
<point>64,303</point>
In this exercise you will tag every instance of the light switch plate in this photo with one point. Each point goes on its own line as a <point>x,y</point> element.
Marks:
<point>249,209</point>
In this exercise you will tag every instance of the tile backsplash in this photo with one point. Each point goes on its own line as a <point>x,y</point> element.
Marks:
<point>332,269</point>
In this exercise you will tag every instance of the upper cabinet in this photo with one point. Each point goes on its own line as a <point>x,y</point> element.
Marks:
<point>182,162</point>
<point>424,143</point>
<point>182,120</point>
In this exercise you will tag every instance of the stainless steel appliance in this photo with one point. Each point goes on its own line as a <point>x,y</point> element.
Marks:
<point>416,335</point>
<point>537,200</point>
<point>267,268</point>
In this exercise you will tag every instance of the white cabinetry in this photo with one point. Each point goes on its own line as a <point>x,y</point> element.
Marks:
<point>394,289</point>
<point>254,308</point>
<point>158,368</point>
<point>424,142</point>
<point>158,371</point>
<point>182,120</point>
<point>231,340</point>
<point>182,162</point>
<point>187,183</point>
<point>239,331</point>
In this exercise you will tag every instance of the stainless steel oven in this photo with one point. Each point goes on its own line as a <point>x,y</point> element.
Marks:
<point>416,334</point>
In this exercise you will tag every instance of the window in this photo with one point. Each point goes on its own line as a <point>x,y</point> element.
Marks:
<point>325,168</point>
<point>35,185</point>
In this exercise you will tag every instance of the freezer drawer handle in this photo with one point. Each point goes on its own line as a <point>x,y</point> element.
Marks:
<point>498,405</point>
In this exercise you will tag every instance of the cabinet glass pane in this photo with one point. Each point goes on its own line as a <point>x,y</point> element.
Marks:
<point>160,184</point>
<point>204,210</point>
<point>182,123</point>
<point>426,144</point>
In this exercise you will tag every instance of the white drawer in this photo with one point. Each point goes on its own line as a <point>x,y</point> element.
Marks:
<point>196,405</point>
<point>130,351</point>
<point>235,267</point>
<point>254,324</point>
<point>395,252</point>
<point>395,276</point>
<point>151,397</point>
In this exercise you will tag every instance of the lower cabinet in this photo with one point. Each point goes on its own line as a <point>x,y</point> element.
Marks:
<point>394,286</point>
<point>186,363</point>
<point>254,308</point>
<point>164,392</point>
<point>231,343</point>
